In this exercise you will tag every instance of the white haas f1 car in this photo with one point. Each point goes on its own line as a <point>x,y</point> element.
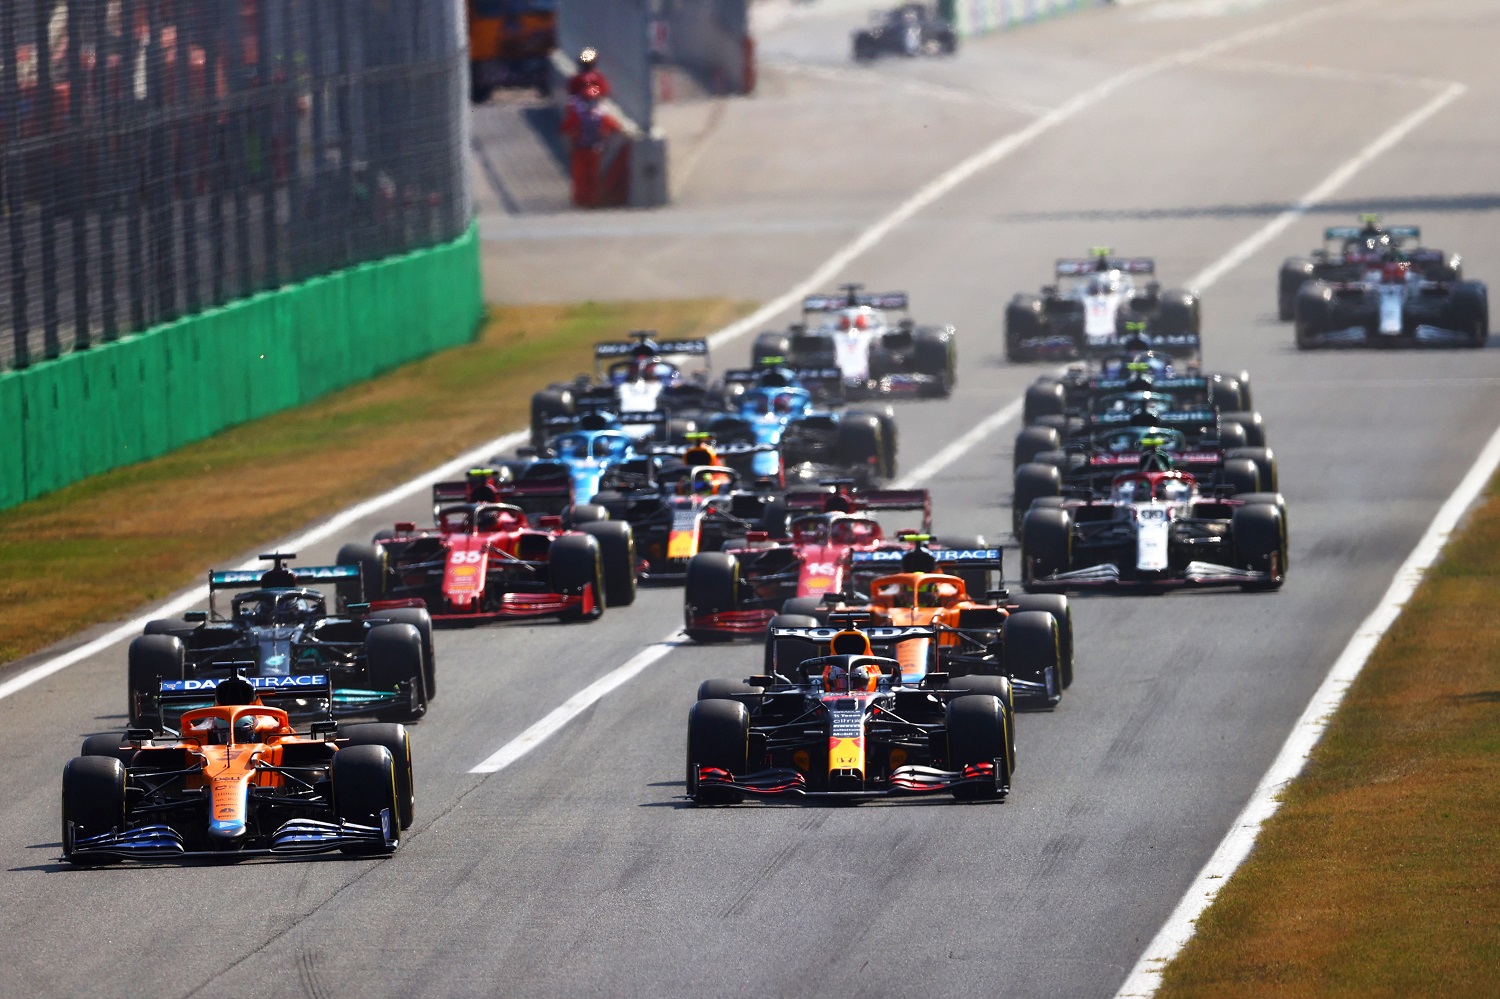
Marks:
<point>1392,304</point>
<point>873,355</point>
<point>1156,529</point>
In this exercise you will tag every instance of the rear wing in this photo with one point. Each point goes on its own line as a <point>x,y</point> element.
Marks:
<point>309,685</point>
<point>1398,232</point>
<point>1178,383</point>
<point>833,303</point>
<point>800,500</point>
<point>250,578</point>
<point>957,558</point>
<point>752,376</point>
<point>1196,419</point>
<point>877,636</point>
<point>1081,266</point>
<point>611,349</point>
<point>1191,460</point>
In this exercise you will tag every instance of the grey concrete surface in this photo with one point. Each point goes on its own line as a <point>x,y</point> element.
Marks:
<point>579,871</point>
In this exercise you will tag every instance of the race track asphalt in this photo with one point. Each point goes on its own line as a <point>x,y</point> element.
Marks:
<point>580,870</point>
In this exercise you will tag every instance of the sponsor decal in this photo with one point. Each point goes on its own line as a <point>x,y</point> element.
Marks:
<point>845,754</point>
<point>847,724</point>
<point>258,682</point>
<point>464,571</point>
<point>882,634</point>
<point>304,574</point>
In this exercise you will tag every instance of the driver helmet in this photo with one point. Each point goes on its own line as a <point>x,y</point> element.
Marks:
<point>212,731</point>
<point>1394,271</point>
<point>857,321</point>
<point>1156,460</point>
<point>1175,490</point>
<point>865,676</point>
<point>835,677</point>
<point>782,403</point>
<point>244,729</point>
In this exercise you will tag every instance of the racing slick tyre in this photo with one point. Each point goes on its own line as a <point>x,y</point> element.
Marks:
<point>770,345</point>
<point>364,786</point>
<point>1295,272</point>
<point>1312,314</point>
<point>1265,464</point>
<point>573,565</point>
<point>886,417</point>
<point>858,442</point>
<point>719,737</point>
<point>1033,652</point>
<point>108,744</point>
<point>1241,475</point>
<point>802,607</point>
<point>1255,426</point>
<point>998,687</point>
<point>723,689</point>
<point>1230,392</point>
<point>393,653</point>
<point>372,572</point>
<point>1046,548</point>
<point>977,733</point>
<point>1045,398</point>
<point>775,519</point>
<point>1178,314</point>
<point>976,581</point>
<point>865,48</point>
<point>1032,441</point>
<point>1062,612</point>
<point>397,742</point>
<point>786,654</point>
<point>1023,321</point>
<point>546,405</point>
<point>712,585</point>
<point>1469,311</point>
<point>583,513</point>
<point>151,659</point>
<point>93,802</point>
<point>936,356</point>
<point>1259,534</point>
<point>617,552</point>
<point>1231,436</point>
<point>174,626</point>
<point>1450,269</point>
<point>1033,481</point>
<point>419,619</point>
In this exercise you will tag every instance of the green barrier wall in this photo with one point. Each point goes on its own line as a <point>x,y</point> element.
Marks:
<point>123,402</point>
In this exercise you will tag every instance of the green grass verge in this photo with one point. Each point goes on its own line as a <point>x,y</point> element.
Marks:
<point>1380,874</point>
<point>102,547</point>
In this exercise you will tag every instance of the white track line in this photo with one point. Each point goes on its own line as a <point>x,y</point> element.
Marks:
<point>987,157</point>
<point>320,532</point>
<point>1145,978</point>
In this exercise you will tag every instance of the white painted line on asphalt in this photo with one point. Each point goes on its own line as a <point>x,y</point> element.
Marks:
<point>576,705</point>
<point>996,151</point>
<point>1145,978</point>
<point>1340,176</point>
<point>988,157</point>
<point>317,533</point>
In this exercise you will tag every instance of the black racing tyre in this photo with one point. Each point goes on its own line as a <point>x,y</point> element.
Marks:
<point>1255,426</point>
<point>583,513</point>
<point>1062,612</point>
<point>364,786</point>
<point>719,737</point>
<point>1450,268</point>
<point>174,626</point>
<point>93,803</point>
<point>1032,441</point>
<point>864,48</point>
<point>1032,482</point>
<point>419,619</point>
<point>1023,321</point>
<point>935,354</point>
<point>1045,397</point>
<point>976,581</point>
<point>1231,435</point>
<point>573,564</point>
<point>108,744</point>
<point>1312,313</point>
<point>978,732</point>
<point>1229,392</point>
<point>384,534</point>
<point>1274,499</point>
<point>393,654</point>
<point>857,443</point>
<point>721,688</point>
<point>1259,535</point>
<point>373,569</point>
<point>1241,475</point>
<point>545,405</point>
<point>786,654</point>
<point>1046,547</point>
<point>1469,311</point>
<point>1295,272</point>
<point>617,553</point>
<point>1265,464</point>
<point>768,345</point>
<point>397,741</point>
<point>1178,314</point>
<point>802,607</point>
<point>886,417</point>
<point>775,519</point>
<point>150,660</point>
<point>995,686</point>
<point>712,585</point>
<point>1033,652</point>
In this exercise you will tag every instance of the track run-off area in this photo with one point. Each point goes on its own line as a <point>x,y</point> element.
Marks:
<point>553,853</point>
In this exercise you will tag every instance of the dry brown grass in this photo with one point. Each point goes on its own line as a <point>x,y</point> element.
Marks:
<point>1380,875</point>
<point>103,547</point>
